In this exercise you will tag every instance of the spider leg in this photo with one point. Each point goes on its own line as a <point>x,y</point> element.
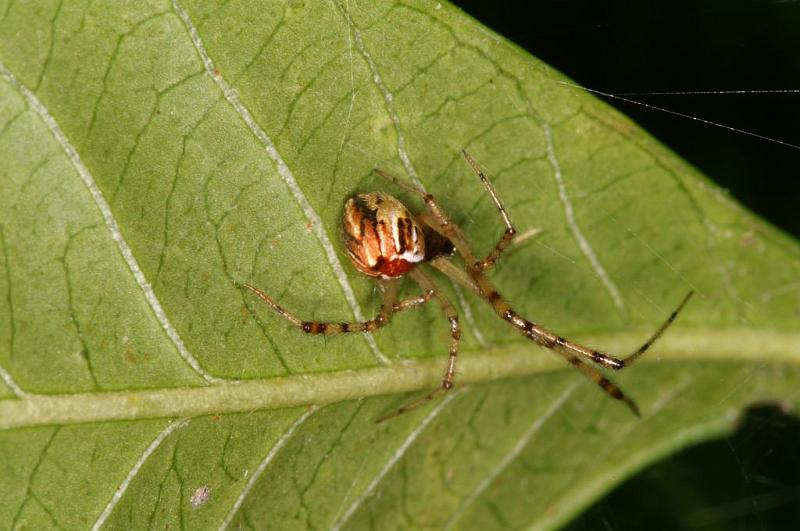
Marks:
<point>413,302</point>
<point>389,306</point>
<point>633,356</point>
<point>601,358</point>
<point>443,224</point>
<point>402,184</point>
<point>508,236</point>
<point>486,289</point>
<point>473,276</point>
<point>569,349</point>
<point>456,273</point>
<point>455,336</point>
<point>543,337</point>
<point>447,228</point>
<point>540,335</point>
<point>609,387</point>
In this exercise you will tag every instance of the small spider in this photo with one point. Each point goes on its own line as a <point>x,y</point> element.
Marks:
<point>386,242</point>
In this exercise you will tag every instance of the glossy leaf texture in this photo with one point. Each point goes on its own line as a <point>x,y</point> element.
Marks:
<point>154,156</point>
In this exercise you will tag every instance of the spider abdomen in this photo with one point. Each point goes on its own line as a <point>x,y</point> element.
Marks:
<point>381,236</point>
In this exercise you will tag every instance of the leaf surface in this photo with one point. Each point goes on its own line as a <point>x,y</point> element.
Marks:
<point>155,156</point>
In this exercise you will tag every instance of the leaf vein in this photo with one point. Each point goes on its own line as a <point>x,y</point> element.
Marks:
<point>85,353</point>
<point>285,173</point>
<point>110,221</point>
<point>281,442</point>
<point>151,448</point>
<point>29,489</point>
<point>395,457</point>
<point>388,98</point>
<point>522,442</point>
<point>569,213</point>
<point>5,375</point>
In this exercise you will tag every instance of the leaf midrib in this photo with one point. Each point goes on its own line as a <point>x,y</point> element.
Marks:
<point>738,345</point>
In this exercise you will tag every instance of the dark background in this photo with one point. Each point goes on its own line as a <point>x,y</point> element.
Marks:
<point>649,46</point>
<point>752,479</point>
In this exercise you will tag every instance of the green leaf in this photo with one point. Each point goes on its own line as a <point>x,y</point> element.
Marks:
<point>155,156</point>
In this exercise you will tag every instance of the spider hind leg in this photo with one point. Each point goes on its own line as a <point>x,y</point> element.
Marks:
<point>455,337</point>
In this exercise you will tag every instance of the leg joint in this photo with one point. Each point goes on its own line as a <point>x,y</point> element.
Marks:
<point>453,323</point>
<point>310,327</point>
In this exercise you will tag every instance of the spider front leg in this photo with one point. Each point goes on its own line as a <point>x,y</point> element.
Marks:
<point>571,351</point>
<point>620,363</point>
<point>455,337</point>
<point>412,302</point>
<point>508,236</point>
<point>438,220</point>
<point>388,307</point>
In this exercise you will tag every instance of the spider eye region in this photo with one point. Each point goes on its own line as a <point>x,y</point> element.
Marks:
<point>381,236</point>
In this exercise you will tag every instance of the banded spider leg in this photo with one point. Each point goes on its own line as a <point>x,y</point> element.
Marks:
<point>476,279</point>
<point>389,306</point>
<point>384,241</point>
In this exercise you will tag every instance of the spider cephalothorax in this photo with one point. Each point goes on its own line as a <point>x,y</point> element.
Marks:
<point>386,242</point>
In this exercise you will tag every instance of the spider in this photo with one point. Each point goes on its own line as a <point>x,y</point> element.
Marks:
<point>385,242</point>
